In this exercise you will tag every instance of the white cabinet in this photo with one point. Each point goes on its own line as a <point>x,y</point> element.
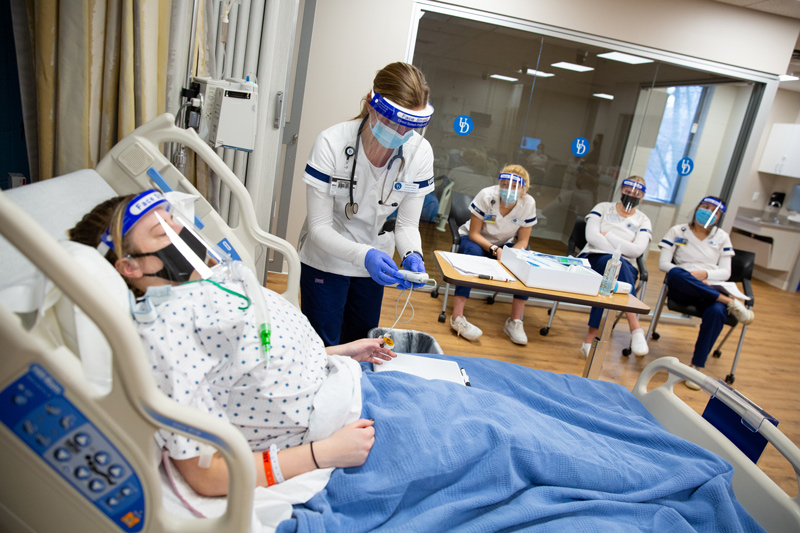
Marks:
<point>782,153</point>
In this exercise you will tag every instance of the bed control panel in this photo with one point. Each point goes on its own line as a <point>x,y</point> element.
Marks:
<point>35,409</point>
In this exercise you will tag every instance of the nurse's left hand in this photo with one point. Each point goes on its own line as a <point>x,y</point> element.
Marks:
<point>367,350</point>
<point>413,263</point>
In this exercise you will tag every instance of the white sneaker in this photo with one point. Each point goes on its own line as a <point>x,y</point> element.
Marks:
<point>586,347</point>
<point>515,331</point>
<point>465,329</point>
<point>639,343</point>
<point>691,384</point>
<point>742,313</point>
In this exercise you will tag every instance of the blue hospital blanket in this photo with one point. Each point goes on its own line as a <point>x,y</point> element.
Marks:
<point>520,449</point>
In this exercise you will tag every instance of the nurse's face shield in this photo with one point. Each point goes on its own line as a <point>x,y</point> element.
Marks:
<point>511,187</point>
<point>631,193</point>
<point>164,243</point>
<point>393,125</point>
<point>709,211</point>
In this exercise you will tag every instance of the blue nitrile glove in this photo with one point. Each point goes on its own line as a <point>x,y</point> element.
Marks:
<point>414,263</point>
<point>381,267</point>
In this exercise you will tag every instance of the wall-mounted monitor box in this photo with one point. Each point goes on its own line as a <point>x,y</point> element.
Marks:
<point>781,153</point>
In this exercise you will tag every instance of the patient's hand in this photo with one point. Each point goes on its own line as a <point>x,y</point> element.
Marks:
<point>367,350</point>
<point>349,446</point>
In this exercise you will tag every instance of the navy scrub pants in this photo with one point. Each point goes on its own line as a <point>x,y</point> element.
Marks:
<point>627,273</point>
<point>688,290</point>
<point>340,308</point>
<point>470,248</point>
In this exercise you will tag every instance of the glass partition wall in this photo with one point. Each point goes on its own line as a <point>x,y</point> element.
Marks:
<point>578,116</point>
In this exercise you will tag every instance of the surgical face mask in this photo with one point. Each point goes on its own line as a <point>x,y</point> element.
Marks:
<point>176,267</point>
<point>704,217</point>
<point>509,196</point>
<point>388,137</point>
<point>629,202</point>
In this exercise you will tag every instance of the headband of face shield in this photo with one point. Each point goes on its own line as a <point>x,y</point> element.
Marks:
<point>511,187</point>
<point>630,201</point>
<point>186,251</point>
<point>402,121</point>
<point>706,217</point>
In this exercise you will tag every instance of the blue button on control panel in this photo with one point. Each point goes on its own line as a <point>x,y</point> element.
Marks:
<point>35,409</point>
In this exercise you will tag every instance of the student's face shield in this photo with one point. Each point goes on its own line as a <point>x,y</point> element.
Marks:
<point>511,187</point>
<point>163,242</point>
<point>631,193</point>
<point>393,125</point>
<point>709,211</point>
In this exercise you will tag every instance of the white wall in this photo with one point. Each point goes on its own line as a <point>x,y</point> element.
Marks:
<point>352,39</point>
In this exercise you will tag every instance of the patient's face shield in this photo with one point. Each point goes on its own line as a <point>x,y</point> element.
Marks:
<point>511,187</point>
<point>165,242</point>
<point>632,193</point>
<point>393,125</point>
<point>709,211</point>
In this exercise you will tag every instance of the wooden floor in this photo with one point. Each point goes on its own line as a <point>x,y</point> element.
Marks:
<point>768,371</point>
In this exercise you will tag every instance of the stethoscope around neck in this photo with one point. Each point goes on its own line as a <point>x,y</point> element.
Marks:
<point>351,208</point>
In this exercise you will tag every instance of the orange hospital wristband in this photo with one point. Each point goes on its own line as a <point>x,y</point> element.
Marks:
<point>268,468</point>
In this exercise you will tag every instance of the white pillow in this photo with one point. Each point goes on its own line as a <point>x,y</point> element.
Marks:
<point>80,334</point>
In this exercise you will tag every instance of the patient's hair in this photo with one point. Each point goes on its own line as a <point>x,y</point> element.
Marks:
<point>401,83</point>
<point>95,222</point>
<point>520,171</point>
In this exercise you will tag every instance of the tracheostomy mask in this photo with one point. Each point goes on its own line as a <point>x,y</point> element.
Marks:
<point>510,187</point>
<point>401,122</point>
<point>707,217</point>
<point>630,201</point>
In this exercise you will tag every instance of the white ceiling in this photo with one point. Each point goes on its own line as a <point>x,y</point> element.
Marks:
<point>786,8</point>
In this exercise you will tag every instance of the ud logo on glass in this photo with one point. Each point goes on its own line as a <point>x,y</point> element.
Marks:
<point>580,146</point>
<point>463,125</point>
<point>685,166</point>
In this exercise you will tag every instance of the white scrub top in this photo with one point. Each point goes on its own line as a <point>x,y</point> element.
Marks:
<point>626,228</point>
<point>205,352</point>
<point>328,161</point>
<point>692,253</point>
<point>499,229</point>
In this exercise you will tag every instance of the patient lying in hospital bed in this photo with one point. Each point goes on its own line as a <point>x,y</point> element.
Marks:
<point>520,448</point>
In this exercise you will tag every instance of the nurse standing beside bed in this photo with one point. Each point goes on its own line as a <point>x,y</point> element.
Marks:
<point>693,255</point>
<point>359,172</point>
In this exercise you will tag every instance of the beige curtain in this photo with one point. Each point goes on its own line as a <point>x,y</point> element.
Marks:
<point>99,68</point>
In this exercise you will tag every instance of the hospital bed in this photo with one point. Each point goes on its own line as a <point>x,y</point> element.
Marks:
<point>76,442</point>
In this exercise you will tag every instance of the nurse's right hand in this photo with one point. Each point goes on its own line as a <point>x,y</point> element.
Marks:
<point>381,267</point>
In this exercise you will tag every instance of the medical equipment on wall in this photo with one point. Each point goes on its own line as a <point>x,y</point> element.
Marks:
<point>224,112</point>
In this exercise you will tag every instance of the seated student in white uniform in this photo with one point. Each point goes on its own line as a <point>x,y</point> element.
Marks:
<point>500,214</point>
<point>612,225</point>
<point>206,350</point>
<point>693,255</point>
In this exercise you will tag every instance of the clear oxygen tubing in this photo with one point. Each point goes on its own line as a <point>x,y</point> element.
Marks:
<point>255,293</point>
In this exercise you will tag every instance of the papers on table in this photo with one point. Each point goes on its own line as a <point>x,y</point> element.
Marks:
<point>425,367</point>
<point>473,265</point>
<point>729,288</point>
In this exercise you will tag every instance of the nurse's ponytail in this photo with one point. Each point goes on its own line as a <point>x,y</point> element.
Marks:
<point>401,83</point>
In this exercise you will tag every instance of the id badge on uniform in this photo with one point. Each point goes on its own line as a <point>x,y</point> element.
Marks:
<point>490,219</point>
<point>404,186</point>
<point>680,241</point>
<point>340,186</point>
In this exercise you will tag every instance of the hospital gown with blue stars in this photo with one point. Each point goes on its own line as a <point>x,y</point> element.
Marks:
<point>205,352</point>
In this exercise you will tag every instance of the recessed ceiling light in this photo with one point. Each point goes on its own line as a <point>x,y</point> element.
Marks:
<point>571,66</point>
<point>787,77</point>
<point>504,78</point>
<point>604,95</point>
<point>624,58</point>
<point>539,73</point>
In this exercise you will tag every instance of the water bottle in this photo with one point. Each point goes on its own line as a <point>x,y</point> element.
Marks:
<point>611,273</point>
